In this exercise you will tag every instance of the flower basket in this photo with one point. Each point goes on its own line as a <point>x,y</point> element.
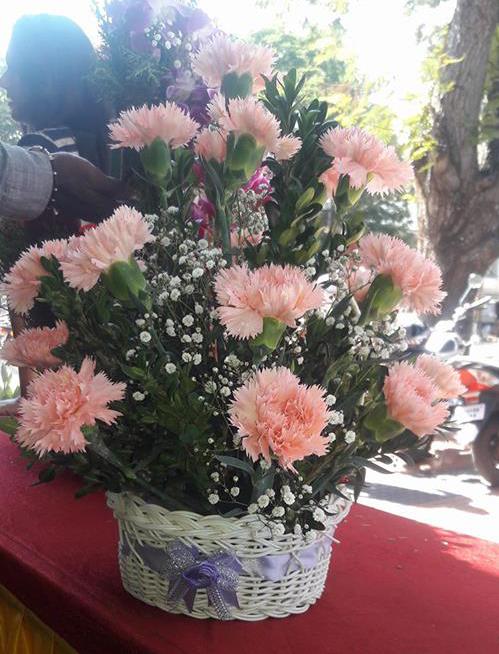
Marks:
<point>277,577</point>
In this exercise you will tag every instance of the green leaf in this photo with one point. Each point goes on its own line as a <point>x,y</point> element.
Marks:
<point>9,425</point>
<point>232,462</point>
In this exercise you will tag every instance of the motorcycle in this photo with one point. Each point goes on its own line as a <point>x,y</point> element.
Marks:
<point>480,405</point>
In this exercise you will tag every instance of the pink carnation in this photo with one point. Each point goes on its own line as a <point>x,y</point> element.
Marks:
<point>419,279</point>
<point>250,116</point>
<point>330,178</point>
<point>211,144</point>
<point>22,282</point>
<point>223,55</point>
<point>136,128</point>
<point>116,239</point>
<point>410,399</point>
<point>275,413</point>
<point>61,402</point>
<point>286,147</point>
<point>241,238</point>
<point>246,297</point>
<point>33,347</point>
<point>359,281</point>
<point>443,376</point>
<point>365,159</point>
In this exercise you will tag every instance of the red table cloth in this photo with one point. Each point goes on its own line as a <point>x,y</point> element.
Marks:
<point>395,586</point>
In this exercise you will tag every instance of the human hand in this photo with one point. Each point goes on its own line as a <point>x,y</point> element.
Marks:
<point>84,191</point>
<point>9,408</point>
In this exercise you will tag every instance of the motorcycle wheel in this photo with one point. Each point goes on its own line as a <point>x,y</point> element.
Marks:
<point>486,451</point>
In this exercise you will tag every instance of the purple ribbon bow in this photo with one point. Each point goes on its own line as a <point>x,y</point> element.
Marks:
<point>188,570</point>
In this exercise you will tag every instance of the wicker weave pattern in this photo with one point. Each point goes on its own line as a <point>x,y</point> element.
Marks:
<point>248,538</point>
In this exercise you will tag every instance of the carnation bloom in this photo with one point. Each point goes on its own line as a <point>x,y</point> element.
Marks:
<point>33,347</point>
<point>211,144</point>
<point>365,159</point>
<point>286,147</point>
<point>410,398</point>
<point>22,282</point>
<point>330,178</point>
<point>359,281</point>
<point>250,116</point>
<point>137,128</point>
<point>60,402</point>
<point>246,297</point>
<point>275,413</point>
<point>115,239</point>
<point>443,376</point>
<point>419,279</point>
<point>222,55</point>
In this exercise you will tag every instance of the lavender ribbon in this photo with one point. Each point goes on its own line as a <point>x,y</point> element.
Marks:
<point>188,571</point>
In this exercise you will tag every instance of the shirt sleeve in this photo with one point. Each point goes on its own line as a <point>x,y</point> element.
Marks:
<point>26,182</point>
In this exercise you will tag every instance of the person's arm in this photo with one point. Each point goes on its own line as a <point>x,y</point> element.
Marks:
<point>26,181</point>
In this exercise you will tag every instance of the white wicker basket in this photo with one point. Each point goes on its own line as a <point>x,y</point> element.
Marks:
<point>248,538</point>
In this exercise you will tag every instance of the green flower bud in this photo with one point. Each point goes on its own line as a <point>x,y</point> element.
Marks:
<point>236,86</point>
<point>156,159</point>
<point>382,298</point>
<point>273,330</point>
<point>383,427</point>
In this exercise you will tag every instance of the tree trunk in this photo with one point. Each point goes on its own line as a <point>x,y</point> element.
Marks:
<point>461,202</point>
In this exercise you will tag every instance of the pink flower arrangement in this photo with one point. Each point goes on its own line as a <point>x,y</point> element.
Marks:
<point>222,55</point>
<point>419,279</point>
<point>250,116</point>
<point>275,414</point>
<point>365,159</point>
<point>286,147</point>
<point>246,297</point>
<point>116,239</point>
<point>137,128</point>
<point>260,184</point>
<point>211,144</point>
<point>22,282</point>
<point>410,396</point>
<point>61,402</point>
<point>33,347</point>
<point>443,376</point>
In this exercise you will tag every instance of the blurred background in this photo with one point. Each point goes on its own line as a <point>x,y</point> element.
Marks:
<point>392,67</point>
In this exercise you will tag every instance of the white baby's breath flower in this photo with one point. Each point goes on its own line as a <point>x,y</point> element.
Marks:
<point>278,511</point>
<point>140,322</point>
<point>186,357</point>
<point>172,210</point>
<point>188,320</point>
<point>196,359</point>
<point>170,368</point>
<point>202,244</point>
<point>234,491</point>
<point>198,309</point>
<point>129,354</point>
<point>175,294</point>
<point>350,436</point>
<point>197,338</point>
<point>278,529</point>
<point>197,273</point>
<point>319,515</point>
<point>263,501</point>
<point>138,396</point>
<point>213,498</point>
<point>330,400</point>
<point>145,337</point>
<point>215,476</point>
<point>288,498</point>
<point>252,508</point>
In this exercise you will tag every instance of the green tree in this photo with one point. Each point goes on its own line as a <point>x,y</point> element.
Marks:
<point>456,147</point>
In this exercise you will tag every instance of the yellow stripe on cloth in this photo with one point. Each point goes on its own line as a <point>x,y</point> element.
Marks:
<point>21,632</point>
